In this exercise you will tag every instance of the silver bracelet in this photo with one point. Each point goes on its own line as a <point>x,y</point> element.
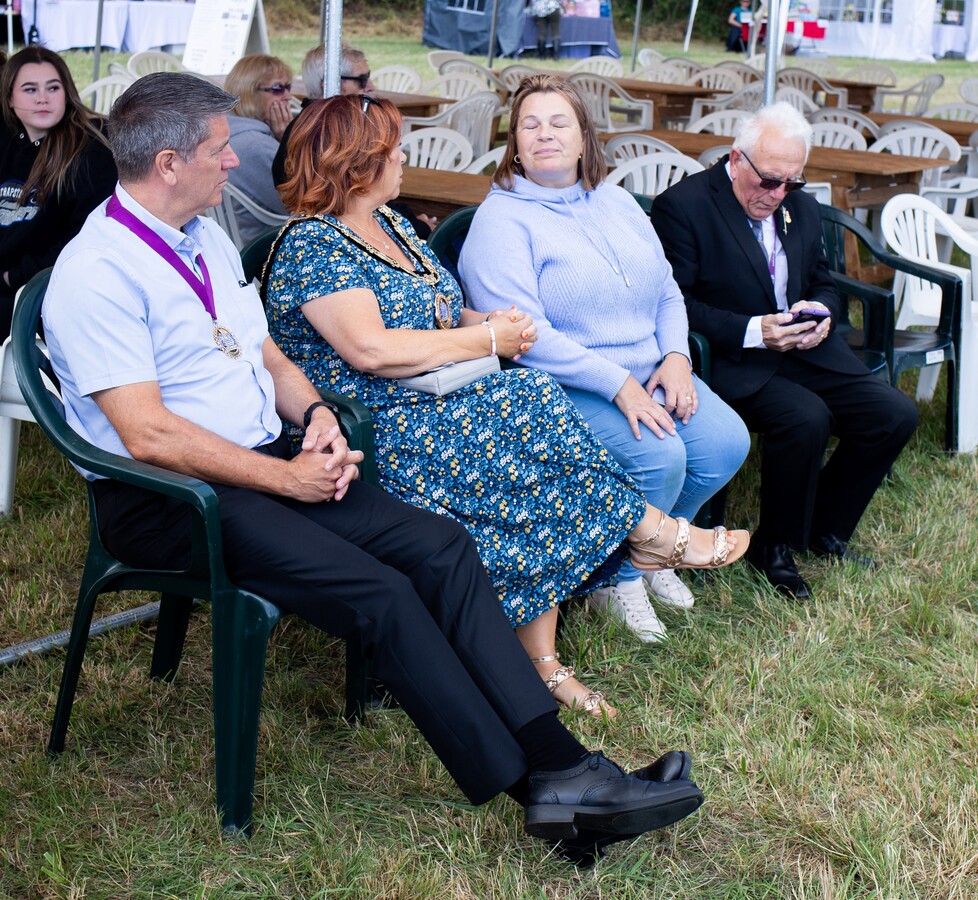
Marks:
<point>492,338</point>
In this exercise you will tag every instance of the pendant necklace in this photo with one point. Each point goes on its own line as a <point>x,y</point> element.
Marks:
<point>225,340</point>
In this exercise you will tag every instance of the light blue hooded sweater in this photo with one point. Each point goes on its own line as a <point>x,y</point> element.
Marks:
<point>589,268</point>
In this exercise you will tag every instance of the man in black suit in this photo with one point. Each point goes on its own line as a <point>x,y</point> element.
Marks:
<point>745,247</point>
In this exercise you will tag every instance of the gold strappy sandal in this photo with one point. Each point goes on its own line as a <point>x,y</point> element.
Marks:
<point>644,556</point>
<point>594,703</point>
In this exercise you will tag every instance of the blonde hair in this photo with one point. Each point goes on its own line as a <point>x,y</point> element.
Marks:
<point>247,76</point>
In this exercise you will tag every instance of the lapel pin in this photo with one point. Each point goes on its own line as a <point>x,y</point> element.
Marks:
<point>785,219</point>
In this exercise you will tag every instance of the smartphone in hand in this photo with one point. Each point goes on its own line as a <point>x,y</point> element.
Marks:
<point>801,316</point>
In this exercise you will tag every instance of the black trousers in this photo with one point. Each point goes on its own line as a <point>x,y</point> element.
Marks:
<point>406,584</point>
<point>796,413</point>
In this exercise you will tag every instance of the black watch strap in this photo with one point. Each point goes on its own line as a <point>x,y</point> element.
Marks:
<point>307,416</point>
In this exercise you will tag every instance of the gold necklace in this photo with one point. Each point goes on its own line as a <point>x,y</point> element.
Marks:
<point>367,234</point>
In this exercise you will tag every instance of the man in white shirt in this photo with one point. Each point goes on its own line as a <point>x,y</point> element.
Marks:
<point>745,246</point>
<point>163,355</point>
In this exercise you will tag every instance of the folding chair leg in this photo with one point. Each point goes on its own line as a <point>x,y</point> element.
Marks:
<point>77,641</point>
<point>242,624</point>
<point>171,630</point>
<point>9,442</point>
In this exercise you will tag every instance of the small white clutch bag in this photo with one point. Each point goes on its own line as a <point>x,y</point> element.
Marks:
<point>451,376</point>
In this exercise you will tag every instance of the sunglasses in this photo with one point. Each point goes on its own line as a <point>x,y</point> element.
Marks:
<point>359,79</point>
<point>277,89</point>
<point>366,102</point>
<point>772,184</point>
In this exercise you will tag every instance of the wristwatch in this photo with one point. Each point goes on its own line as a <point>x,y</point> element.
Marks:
<point>307,416</point>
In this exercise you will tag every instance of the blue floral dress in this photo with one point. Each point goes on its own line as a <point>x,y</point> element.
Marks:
<point>508,455</point>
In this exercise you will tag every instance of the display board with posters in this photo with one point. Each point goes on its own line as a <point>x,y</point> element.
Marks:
<point>221,32</point>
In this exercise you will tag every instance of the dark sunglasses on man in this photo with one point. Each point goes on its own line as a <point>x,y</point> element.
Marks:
<point>277,89</point>
<point>772,184</point>
<point>361,80</point>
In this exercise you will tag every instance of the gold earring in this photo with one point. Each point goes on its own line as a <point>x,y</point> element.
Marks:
<point>516,159</point>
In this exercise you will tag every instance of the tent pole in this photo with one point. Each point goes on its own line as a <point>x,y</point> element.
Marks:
<point>689,28</point>
<point>333,47</point>
<point>771,51</point>
<point>638,19</point>
<point>98,39</point>
<point>492,33</point>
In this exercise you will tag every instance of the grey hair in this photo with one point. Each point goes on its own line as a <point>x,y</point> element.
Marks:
<point>163,111</point>
<point>782,118</point>
<point>312,68</point>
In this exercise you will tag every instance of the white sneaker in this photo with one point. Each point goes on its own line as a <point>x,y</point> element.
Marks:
<point>628,601</point>
<point>668,588</point>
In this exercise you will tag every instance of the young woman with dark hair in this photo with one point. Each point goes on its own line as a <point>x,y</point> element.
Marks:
<point>55,167</point>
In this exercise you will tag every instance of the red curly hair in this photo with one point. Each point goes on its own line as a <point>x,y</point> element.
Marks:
<point>338,148</point>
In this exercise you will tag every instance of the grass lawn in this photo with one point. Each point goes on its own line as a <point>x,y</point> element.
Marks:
<point>836,741</point>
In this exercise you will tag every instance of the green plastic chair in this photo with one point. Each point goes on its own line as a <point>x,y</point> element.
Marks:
<point>241,621</point>
<point>254,254</point>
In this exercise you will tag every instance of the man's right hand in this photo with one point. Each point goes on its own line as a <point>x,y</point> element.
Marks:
<point>317,477</point>
<point>778,334</point>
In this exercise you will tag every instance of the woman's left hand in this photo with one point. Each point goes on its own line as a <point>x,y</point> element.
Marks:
<point>675,377</point>
<point>525,334</point>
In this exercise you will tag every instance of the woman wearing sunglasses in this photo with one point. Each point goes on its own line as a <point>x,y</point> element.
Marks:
<point>360,305</point>
<point>263,85</point>
<point>580,255</point>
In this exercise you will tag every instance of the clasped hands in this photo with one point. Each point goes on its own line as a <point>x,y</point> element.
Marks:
<point>778,335</point>
<point>675,377</point>
<point>325,466</point>
<point>515,332</point>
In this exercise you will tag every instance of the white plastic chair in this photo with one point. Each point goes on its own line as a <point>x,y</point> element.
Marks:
<point>661,72</point>
<point>101,94</point>
<point>748,74</point>
<point>723,121</point>
<point>147,61</point>
<point>689,66</point>
<point>912,101</point>
<point>647,57</point>
<point>835,134</point>
<point>437,148</point>
<point>872,73</point>
<point>604,98</point>
<point>821,67</point>
<point>437,57</point>
<point>488,161</point>
<point>851,117</point>
<point>117,68</point>
<point>921,140</point>
<point>474,118</point>
<point>623,147</point>
<point>400,79</point>
<point>820,190</point>
<point>717,79</point>
<point>511,76</point>
<point>813,86</point>
<point>955,112</point>
<point>915,228</point>
<point>749,97</point>
<point>653,173</point>
<point>489,79</point>
<point>712,155</point>
<point>798,99</point>
<point>599,65</point>
<point>226,214</point>
<point>968,89</point>
<point>456,85</point>
<point>13,411</point>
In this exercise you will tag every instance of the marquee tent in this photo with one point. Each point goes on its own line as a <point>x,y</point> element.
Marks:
<point>466,25</point>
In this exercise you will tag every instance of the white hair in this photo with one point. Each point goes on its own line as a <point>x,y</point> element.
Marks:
<point>781,118</point>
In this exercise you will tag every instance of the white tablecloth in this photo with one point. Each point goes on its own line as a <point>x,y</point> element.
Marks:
<point>128,25</point>
<point>948,39</point>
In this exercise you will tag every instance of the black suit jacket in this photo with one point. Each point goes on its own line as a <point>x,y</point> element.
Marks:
<point>723,273</point>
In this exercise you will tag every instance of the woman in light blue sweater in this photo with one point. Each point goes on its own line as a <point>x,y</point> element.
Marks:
<point>581,258</point>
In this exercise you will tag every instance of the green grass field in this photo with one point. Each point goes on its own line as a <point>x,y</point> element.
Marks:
<point>836,741</point>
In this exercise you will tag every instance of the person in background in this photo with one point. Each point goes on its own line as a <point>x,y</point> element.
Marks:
<point>263,85</point>
<point>735,36</point>
<point>580,256</point>
<point>55,168</point>
<point>167,359</point>
<point>546,16</point>
<point>745,244</point>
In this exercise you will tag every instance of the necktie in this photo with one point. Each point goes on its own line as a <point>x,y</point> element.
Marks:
<point>757,228</point>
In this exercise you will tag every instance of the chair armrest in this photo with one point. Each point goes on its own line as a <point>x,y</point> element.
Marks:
<point>699,354</point>
<point>879,312</point>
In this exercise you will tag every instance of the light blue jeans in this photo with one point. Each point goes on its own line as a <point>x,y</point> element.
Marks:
<point>678,473</point>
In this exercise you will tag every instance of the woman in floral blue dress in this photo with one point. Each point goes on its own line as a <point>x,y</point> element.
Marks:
<point>358,302</point>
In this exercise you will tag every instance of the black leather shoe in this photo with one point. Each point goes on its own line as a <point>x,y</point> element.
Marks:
<point>671,766</point>
<point>589,846</point>
<point>776,563</point>
<point>828,546</point>
<point>600,796</point>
